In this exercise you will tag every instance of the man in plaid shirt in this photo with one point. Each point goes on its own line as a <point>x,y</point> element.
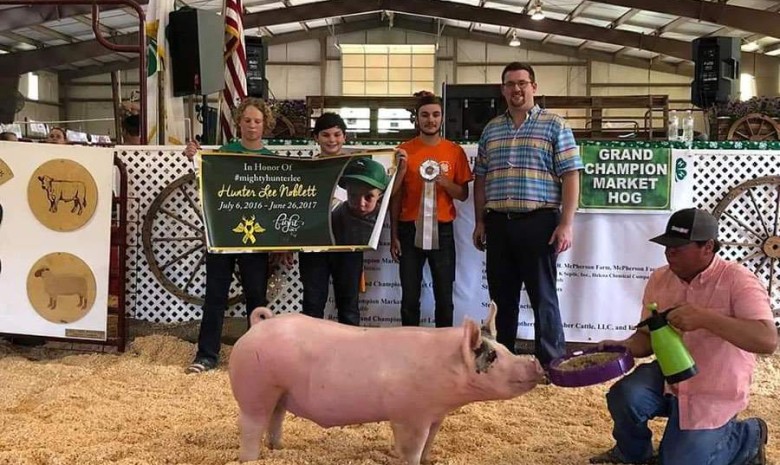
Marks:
<point>525,194</point>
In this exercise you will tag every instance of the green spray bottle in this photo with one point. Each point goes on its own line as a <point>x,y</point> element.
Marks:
<point>676,363</point>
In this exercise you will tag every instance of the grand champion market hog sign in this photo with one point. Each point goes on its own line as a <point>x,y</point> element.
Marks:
<point>619,178</point>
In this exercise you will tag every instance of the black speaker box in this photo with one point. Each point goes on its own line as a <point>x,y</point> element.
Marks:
<point>716,70</point>
<point>469,107</point>
<point>196,39</point>
<point>256,58</point>
<point>10,98</point>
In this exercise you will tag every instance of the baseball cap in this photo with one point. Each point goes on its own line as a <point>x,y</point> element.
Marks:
<point>365,170</point>
<point>686,226</point>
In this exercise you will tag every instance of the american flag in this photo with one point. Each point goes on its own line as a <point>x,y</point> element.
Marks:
<point>235,66</point>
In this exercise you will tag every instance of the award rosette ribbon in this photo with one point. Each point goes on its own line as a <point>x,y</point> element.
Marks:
<point>426,235</point>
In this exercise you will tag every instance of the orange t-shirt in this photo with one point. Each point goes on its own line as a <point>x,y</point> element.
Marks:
<point>454,165</point>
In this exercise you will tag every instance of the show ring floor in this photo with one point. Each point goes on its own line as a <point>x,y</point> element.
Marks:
<point>63,406</point>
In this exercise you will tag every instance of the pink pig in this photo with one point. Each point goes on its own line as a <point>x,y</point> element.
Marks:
<point>336,375</point>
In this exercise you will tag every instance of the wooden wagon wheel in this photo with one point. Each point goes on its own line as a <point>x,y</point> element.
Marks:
<point>174,242</point>
<point>754,127</point>
<point>284,128</point>
<point>749,218</point>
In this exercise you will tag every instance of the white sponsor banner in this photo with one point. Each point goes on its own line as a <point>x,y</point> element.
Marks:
<point>600,279</point>
<point>24,240</point>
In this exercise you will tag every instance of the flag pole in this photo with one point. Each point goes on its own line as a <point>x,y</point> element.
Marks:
<point>220,134</point>
<point>161,105</point>
<point>235,88</point>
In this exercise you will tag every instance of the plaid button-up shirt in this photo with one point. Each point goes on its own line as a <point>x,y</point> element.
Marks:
<point>523,166</point>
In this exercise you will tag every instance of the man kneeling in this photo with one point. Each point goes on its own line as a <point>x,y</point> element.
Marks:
<point>724,315</point>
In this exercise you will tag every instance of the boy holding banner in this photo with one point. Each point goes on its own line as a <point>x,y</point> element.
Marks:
<point>251,117</point>
<point>435,171</point>
<point>364,180</point>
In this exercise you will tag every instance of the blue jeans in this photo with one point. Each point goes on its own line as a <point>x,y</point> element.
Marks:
<point>442,265</point>
<point>638,397</point>
<point>518,254</point>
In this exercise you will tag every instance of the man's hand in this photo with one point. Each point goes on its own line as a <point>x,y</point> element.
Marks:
<point>601,345</point>
<point>562,237</point>
<point>689,317</point>
<point>638,344</point>
<point>479,237</point>
<point>395,248</point>
<point>191,149</point>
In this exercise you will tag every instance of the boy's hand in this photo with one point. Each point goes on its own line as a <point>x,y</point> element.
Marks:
<point>191,149</point>
<point>395,248</point>
<point>443,181</point>
<point>401,158</point>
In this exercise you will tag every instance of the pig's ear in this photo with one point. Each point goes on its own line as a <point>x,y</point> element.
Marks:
<point>472,340</point>
<point>472,334</point>
<point>489,327</point>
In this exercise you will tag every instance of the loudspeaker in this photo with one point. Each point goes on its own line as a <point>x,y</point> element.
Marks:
<point>469,107</point>
<point>716,71</point>
<point>208,116</point>
<point>256,58</point>
<point>196,39</point>
<point>11,100</point>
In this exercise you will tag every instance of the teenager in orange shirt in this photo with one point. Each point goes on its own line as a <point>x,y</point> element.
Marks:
<point>432,172</point>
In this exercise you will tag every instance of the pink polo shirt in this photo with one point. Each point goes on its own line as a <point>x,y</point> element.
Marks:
<point>720,389</point>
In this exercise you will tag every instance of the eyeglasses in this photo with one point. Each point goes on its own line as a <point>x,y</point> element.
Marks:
<point>518,84</point>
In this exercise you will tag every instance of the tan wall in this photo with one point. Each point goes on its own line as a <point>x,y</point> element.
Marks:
<point>47,108</point>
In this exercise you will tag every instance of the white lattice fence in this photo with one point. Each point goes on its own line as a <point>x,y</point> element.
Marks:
<point>151,169</point>
<point>751,217</point>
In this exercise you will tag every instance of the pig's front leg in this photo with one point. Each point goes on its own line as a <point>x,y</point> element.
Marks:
<point>410,438</point>
<point>429,442</point>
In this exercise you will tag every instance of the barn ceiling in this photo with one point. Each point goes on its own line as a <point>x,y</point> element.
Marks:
<point>655,34</point>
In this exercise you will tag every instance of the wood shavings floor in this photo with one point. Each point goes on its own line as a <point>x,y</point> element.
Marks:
<point>139,408</point>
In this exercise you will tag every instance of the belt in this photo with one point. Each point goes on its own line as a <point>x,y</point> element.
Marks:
<point>519,215</point>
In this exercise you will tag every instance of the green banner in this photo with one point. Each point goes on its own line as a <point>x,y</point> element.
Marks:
<point>258,202</point>
<point>622,178</point>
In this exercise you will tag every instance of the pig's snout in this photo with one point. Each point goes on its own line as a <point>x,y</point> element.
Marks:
<point>533,373</point>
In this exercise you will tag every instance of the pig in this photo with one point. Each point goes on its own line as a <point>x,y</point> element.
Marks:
<point>337,375</point>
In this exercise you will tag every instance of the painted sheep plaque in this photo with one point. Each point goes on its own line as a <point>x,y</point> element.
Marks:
<point>61,287</point>
<point>62,195</point>
<point>5,172</point>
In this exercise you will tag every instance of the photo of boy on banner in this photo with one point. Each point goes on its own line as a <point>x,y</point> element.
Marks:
<point>353,220</point>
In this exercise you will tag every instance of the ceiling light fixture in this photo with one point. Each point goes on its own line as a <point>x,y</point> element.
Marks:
<point>514,42</point>
<point>536,12</point>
